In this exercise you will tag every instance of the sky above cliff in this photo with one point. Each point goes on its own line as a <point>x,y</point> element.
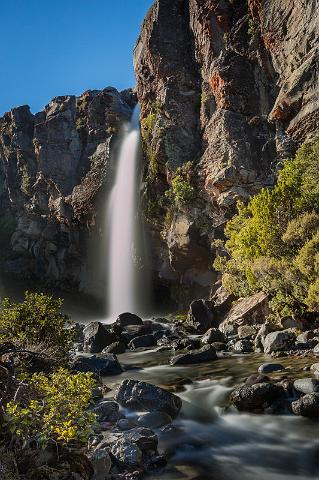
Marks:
<point>60,47</point>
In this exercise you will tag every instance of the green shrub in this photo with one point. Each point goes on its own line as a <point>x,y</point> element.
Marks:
<point>36,321</point>
<point>52,407</point>
<point>181,191</point>
<point>273,242</point>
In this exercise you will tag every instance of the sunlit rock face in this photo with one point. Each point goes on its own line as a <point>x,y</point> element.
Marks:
<point>230,86</point>
<point>54,166</point>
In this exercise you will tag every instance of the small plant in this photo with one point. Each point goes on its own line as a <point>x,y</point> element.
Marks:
<point>252,28</point>
<point>36,321</point>
<point>52,408</point>
<point>25,180</point>
<point>181,190</point>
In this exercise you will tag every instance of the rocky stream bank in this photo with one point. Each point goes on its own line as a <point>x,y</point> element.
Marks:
<point>198,398</point>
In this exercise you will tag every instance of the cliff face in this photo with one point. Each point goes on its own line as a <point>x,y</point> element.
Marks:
<point>53,167</point>
<point>228,88</point>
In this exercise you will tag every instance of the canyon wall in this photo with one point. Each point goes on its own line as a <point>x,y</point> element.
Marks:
<point>228,89</point>
<point>54,167</point>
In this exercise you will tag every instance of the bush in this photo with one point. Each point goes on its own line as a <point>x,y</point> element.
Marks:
<point>273,242</point>
<point>52,408</point>
<point>181,190</point>
<point>36,321</point>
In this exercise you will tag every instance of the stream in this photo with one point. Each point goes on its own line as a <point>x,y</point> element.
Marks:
<point>208,441</point>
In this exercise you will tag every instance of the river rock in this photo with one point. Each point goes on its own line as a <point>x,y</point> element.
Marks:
<point>262,334</point>
<point>277,341</point>
<point>143,341</point>
<point>243,346</point>
<point>247,311</point>
<point>255,378</point>
<point>307,385</point>
<point>106,411</point>
<point>146,397</point>
<point>126,454</point>
<point>307,406</point>
<point>133,331</point>
<point>116,348</point>
<point>186,343</point>
<point>102,364</point>
<point>213,335</point>
<point>154,419</point>
<point>126,319</point>
<point>270,367</point>
<point>204,354</point>
<point>96,337</point>
<point>200,316</point>
<point>219,346</point>
<point>315,368</point>
<point>316,350</point>
<point>247,331</point>
<point>255,397</point>
<point>304,337</point>
<point>101,463</point>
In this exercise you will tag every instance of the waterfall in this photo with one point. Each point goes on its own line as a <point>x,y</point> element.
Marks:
<point>122,215</point>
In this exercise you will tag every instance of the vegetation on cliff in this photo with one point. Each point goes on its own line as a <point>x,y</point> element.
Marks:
<point>273,241</point>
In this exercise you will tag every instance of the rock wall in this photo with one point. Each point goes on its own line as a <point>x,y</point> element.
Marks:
<point>228,88</point>
<point>54,167</point>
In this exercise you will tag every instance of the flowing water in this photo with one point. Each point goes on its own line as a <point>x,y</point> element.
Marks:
<point>209,441</point>
<point>122,214</point>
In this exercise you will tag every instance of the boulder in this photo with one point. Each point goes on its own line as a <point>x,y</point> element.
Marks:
<point>316,350</point>
<point>262,334</point>
<point>143,341</point>
<point>116,348</point>
<point>154,419</point>
<point>278,341</point>
<point>255,378</point>
<point>315,368</point>
<point>126,454</point>
<point>256,396</point>
<point>133,331</point>
<point>186,343</point>
<point>146,397</point>
<point>247,331</point>
<point>307,406</point>
<point>106,411</point>
<point>270,368</point>
<point>204,354</point>
<point>213,335</point>
<point>290,322</point>
<point>243,346</point>
<point>200,316</point>
<point>307,385</point>
<point>304,337</point>
<point>126,319</point>
<point>100,364</point>
<point>101,463</point>
<point>251,310</point>
<point>96,337</point>
<point>222,301</point>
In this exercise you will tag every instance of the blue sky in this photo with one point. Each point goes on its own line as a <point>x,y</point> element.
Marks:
<point>60,47</point>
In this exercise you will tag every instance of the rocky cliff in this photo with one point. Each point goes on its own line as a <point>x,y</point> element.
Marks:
<point>54,167</point>
<point>228,88</point>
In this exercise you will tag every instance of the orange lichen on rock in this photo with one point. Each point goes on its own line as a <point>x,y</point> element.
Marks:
<point>281,112</point>
<point>255,8</point>
<point>217,84</point>
<point>270,41</point>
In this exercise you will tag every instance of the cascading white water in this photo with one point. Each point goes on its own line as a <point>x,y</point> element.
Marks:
<point>121,224</point>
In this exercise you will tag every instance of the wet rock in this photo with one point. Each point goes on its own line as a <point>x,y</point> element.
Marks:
<point>219,346</point>
<point>305,336</point>
<point>126,319</point>
<point>106,411</point>
<point>186,344</point>
<point>200,316</point>
<point>154,419</point>
<point>246,311</point>
<point>126,454</point>
<point>270,367</point>
<point>204,354</point>
<point>255,378</point>
<point>101,462</point>
<point>307,406</point>
<point>125,424</point>
<point>102,365</point>
<point>306,385</point>
<point>143,341</point>
<point>144,438</point>
<point>162,333</point>
<point>277,341</point>
<point>96,337</point>
<point>147,397</point>
<point>133,331</point>
<point>213,335</point>
<point>316,350</point>
<point>243,346</point>
<point>116,348</point>
<point>255,397</point>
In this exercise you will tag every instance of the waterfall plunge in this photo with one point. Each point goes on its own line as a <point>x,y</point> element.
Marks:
<point>122,225</point>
